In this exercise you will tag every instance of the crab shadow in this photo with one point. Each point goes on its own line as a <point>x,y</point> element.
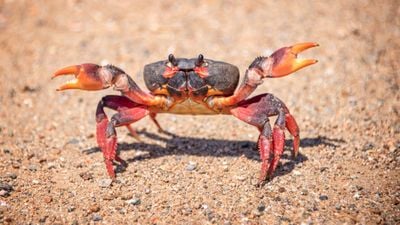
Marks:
<point>180,145</point>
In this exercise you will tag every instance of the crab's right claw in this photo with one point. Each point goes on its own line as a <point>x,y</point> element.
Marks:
<point>285,60</point>
<point>87,77</point>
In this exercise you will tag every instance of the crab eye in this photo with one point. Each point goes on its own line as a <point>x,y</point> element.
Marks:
<point>171,61</point>
<point>200,60</point>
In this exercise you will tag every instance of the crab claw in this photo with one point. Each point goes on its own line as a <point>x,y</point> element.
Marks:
<point>87,77</point>
<point>285,60</point>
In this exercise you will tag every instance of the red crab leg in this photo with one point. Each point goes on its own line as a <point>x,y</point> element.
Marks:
<point>129,112</point>
<point>282,62</point>
<point>255,111</point>
<point>292,127</point>
<point>118,103</point>
<point>94,77</point>
<point>153,118</point>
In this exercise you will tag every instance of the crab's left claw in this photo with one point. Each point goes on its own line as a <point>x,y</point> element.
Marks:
<point>285,60</point>
<point>87,77</point>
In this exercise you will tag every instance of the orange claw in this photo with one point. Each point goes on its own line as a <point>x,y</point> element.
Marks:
<point>286,61</point>
<point>86,77</point>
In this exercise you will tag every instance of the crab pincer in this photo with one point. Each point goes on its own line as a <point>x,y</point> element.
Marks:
<point>88,76</point>
<point>284,61</point>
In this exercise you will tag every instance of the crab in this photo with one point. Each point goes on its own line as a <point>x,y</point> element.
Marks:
<point>196,86</point>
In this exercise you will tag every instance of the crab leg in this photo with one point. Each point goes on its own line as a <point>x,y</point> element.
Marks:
<point>293,129</point>
<point>255,111</point>
<point>94,77</point>
<point>282,62</point>
<point>129,112</point>
<point>118,103</point>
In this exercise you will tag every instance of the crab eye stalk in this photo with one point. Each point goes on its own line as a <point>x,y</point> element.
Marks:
<point>172,60</point>
<point>200,60</point>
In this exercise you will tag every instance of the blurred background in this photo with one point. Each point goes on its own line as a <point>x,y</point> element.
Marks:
<point>347,107</point>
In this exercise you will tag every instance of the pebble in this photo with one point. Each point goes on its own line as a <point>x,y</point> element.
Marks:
<point>94,208</point>
<point>97,217</point>
<point>51,165</point>
<point>4,193</point>
<point>368,146</point>
<point>6,187</point>
<point>191,166</point>
<point>296,173</point>
<point>73,141</point>
<point>12,175</point>
<point>261,207</point>
<point>71,208</point>
<point>281,189</point>
<point>338,207</point>
<point>36,181</point>
<point>134,201</point>
<point>86,176</point>
<point>104,183</point>
<point>47,199</point>
<point>304,192</point>
<point>323,197</point>
<point>357,196</point>
<point>32,168</point>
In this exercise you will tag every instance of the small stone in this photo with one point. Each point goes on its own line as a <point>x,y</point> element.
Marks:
<point>73,141</point>
<point>338,207</point>
<point>71,208</point>
<point>368,146</point>
<point>15,165</point>
<point>97,217</point>
<point>32,168</point>
<point>357,196</point>
<point>75,222</point>
<point>134,201</point>
<point>51,165</point>
<point>4,193</point>
<point>147,191</point>
<point>94,208</point>
<point>191,166</point>
<point>304,192</point>
<point>47,199</point>
<point>36,181</point>
<point>12,175</point>
<point>6,151</point>
<point>296,173</point>
<point>6,187</point>
<point>324,168</point>
<point>261,207</point>
<point>105,183</point>
<point>3,204</point>
<point>323,197</point>
<point>352,207</point>
<point>241,178</point>
<point>86,176</point>
<point>281,189</point>
<point>43,219</point>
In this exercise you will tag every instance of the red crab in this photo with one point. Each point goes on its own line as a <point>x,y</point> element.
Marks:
<point>194,86</point>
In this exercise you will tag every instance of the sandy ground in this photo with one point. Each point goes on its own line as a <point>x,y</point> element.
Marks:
<point>347,107</point>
